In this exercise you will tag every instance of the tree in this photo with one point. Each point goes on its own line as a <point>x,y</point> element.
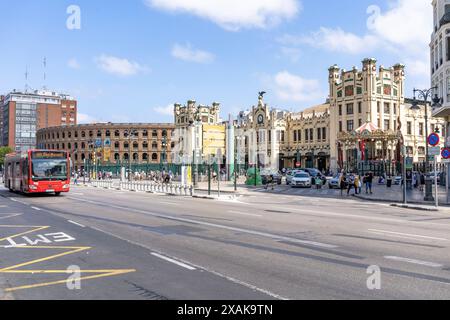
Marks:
<point>3,152</point>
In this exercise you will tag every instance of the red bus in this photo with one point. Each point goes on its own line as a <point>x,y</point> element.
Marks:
<point>38,171</point>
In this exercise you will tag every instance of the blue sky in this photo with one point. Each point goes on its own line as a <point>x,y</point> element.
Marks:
<point>131,60</point>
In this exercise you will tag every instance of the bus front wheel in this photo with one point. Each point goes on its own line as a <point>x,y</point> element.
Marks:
<point>57,194</point>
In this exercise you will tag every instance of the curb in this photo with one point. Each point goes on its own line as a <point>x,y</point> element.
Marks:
<point>405,206</point>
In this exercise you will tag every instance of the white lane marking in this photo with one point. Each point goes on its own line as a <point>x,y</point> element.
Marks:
<point>12,199</point>
<point>76,223</point>
<point>361,217</point>
<point>3,206</point>
<point>78,194</point>
<point>10,215</point>
<point>214,225</point>
<point>406,234</point>
<point>414,261</point>
<point>396,236</point>
<point>245,214</point>
<point>169,203</point>
<point>245,284</point>
<point>178,263</point>
<point>36,208</point>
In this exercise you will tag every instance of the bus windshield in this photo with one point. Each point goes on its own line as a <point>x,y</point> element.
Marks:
<point>49,169</point>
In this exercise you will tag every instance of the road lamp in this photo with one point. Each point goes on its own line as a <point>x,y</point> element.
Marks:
<point>425,95</point>
<point>130,134</point>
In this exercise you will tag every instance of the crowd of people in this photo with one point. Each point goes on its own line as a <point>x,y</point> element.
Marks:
<point>352,181</point>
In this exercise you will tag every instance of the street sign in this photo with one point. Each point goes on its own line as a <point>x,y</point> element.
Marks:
<point>409,162</point>
<point>433,139</point>
<point>434,151</point>
<point>298,164</point>
<point>445,153</point>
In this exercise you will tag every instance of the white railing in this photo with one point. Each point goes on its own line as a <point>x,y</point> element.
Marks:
<point>144,186</point>
<point>102,184</point>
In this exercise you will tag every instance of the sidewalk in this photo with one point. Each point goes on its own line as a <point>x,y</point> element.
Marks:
<point>395,195</point>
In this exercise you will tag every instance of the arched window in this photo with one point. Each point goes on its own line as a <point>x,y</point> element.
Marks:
<point>69,146</point>
<point>76,157</point>
<point>145,145</point>
<point>145,156</point>
<point>126,145</point>
<point>57,135</point>
<point>108,133</point>
<point>125,157</point>
<point>57,146</point>
<point>135,157</point>
<point>83,157</point>
<point>117,145</point>
<point>69,134</point>
<point>91,134</point>
<point>83,145</point>
<point>145,133</point>
<point>135,145</point>
<point>164,133</point>
<point>83,134</point>
<point>117,133</point>
<point>155,146</point>
<point>63,146</point>
<point>76,134</point>
<point>154,157</point>
<point>76,145</point>
<point>63,135</point>
<point>116,156</point>
<point>155,134</point>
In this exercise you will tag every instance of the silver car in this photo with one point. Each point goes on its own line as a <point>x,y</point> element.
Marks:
<point>290,175</point>
<point>301,179</point>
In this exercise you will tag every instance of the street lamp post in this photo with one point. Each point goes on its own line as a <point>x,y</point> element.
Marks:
<point>130,134</point>
<point>426,95</point>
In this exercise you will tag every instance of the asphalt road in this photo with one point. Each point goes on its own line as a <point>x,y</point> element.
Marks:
<point>263,246</point>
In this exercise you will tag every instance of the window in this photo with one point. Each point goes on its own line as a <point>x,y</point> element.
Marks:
<point>387,108</point>
<point>340,110</point>
<point>154,146</point>
<point>420,129</point>
<point>135,145</point>
<point>99,134</point>
<point>350,108</point>
<point>108,133</point>
<point>395,108</point>
<point>306,134</point>
<point>145,156</point>
<point>395,125</point>
<point>350,125</point>
<point>319,134</point>
<point>359,107</point>
<point>295,135</point>
<point>116,145</point>
<point>359,122</point>
<point>340,126</point>
<point>145,133</point>
<point>324,133</point>
<point>299,135</point>
<point>311,134</point>
<point>282,136</point>
<point>421,150</point>
<point>145,145</point>
<point>387,125</point>
<point>154,134</point>
<point>409,127</point>
<point>117,133</point>
<point>154,157</point>
<point>126,145</point>
<point>378,107</point>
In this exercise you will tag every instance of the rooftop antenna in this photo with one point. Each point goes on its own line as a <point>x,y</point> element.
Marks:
<point>45,70</point>
<point>26,79</point>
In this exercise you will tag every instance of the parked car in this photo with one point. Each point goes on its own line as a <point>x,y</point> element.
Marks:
<point>314,173</point>
<point>290,175</point>
<point>265,176</point>
<point>334,182</point>
<point>302,179</point>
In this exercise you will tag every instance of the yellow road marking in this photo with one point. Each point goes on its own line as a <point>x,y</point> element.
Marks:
<point>23,233</point>
<point>71,250</point>
<point>46,284</point>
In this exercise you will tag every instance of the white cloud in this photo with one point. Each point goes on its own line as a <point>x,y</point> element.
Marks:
<point>83,118</point>
<point>234,14</point>
<point>165,111</point>
<point>187,53</point>
<point>119,66</point>
<point>335,40</point>
<point>73,63</point>
<point>404,29</point>
<point>294,88</point>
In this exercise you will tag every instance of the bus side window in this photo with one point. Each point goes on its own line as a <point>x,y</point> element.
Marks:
<point>17,169</point>
<point>25,167</point>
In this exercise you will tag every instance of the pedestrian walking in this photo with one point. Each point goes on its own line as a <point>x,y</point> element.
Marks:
<point>75,178</point>
<point>368,182</point>
<point>351,184</point>
<point>342,183</point>
<point>422,182</point>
